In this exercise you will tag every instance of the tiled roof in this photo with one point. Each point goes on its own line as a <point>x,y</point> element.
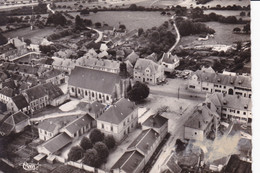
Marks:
<point>144,141</point>
<point>156,121</point>
<point>118,112</point>
<point>49,125</point>
<point>9,84</point>
<point>228,80</point>
<point>20,101</point>
<point>7,47</point>
<point>231,101</point>
<point>200,118</point>
<point>7,92</point>
<point>152,57</point>
<point>169,58</point>
<point>129,161</point>
<point>132,57</point>
<point>95,80</point>
<point>19,117</point>
<point>172,165</point>
<point>77,124</point>
<point>50,74</point>
<point>6,128</point>
<point>142,64</point>
<point>57,143</point>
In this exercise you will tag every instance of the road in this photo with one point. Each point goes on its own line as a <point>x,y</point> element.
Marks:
<point>176,132</point>
<point>177,39</point>
<point>49,8</point>
<point>100,34</point>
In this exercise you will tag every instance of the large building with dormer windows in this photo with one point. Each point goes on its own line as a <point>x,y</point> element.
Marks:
<point>148,71</point>
<point>202,81</point>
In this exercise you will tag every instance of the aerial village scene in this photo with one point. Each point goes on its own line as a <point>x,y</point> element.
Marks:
<point>125,86</point>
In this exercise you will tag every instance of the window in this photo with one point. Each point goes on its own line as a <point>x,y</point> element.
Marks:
<point>86,93</point>
<point>238,112</point>
<point>232,110</point>
<point>224,109</point>
<point>224,87</point>
<point>93,94</point>
<point>111,128</point>
<point>124,123</point>
<point>244,113</point>
<point>107,98</point>
<point>102,126</point>
<point>191,86</point>
<point>72,89</point>
<point>128,120</point>
<point>100,96</point>
<point>195,133</point>
<point>79,91</point>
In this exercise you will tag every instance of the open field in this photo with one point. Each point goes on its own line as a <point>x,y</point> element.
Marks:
<point>132,20</point>
<point>224,35</point>
<point>35,35</point>
<point>189,3</point>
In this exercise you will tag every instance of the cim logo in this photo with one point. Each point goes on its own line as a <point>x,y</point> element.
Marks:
<point>30,166</point>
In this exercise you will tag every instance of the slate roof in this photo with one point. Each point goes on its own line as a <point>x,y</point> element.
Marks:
<point>156,121</point>
<point>228,80</point>
<point>129,161</point>
<point>200,118</point>
<point>118,112</point>
<point>95,80</point>
<point>231,101</point>
<point>142,64</point>
<point>144,140</point>
<point>57,142</point>
<point>20,101</point>
<point>6,128</point>
<point>152,57</point>
<point>50,74</point>
<point>79,123</point>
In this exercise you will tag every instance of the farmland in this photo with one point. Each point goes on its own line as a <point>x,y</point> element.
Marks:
<point>132,20</point>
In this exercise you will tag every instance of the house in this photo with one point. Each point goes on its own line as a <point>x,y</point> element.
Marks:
<point>55,144</point>
<point>132,58</point>
<point>56,77</point>
<point>14,123</point>
<point>95,85</point>
<point>19,103</point>
<point>201,122</point>
<point>130,161</point>
<point>158,123</point>
<point>48,129</point>
<point>152,57</point>
<point>235,108</point>
<point>65,65</point>
<point>95,109</point>
<point>170,165</point>
<point>6,95</point>
<point>119,119</point>
<point>148,71</point>
<point>20,45</point>
<point>202,81</point>
<point>44,94</point>
<point>79,126</point>
<point>146,143</point>
<point>8,51</point>
<point>169,62</point>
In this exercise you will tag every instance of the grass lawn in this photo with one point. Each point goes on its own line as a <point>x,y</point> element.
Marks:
<point>224,35</point>
<point>132,20</point>
<point>36,35</point>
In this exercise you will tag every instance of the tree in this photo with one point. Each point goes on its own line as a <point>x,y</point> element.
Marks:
<point>78,22</point>
<point>96,135</point>
<point>247,28</point>
<point>97,24</point>
<point>28,41</point>
<point>85,11</point>
<point>91,157</point>
<point>236,29</point>
<point>140,31</point>
<point>75,153</point>
<point>243,13</point>
<point>102,151</point>
<point>85,143</point>
<point>139,92</point>
<point>3,39</point>
<point>110,141</point>
<point>133,7</point>
<point>122,27</point>
<point>95,10</point>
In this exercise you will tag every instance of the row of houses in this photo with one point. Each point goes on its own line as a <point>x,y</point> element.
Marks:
<point>139,152</point>
<point>213,82</point>
<point>217,107</point>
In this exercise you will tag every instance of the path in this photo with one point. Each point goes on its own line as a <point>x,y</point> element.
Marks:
<point>29,53</point>
<point>49,8</point>
<point>56,115</point>
<point>100,34</point>
<point>177,39</point>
